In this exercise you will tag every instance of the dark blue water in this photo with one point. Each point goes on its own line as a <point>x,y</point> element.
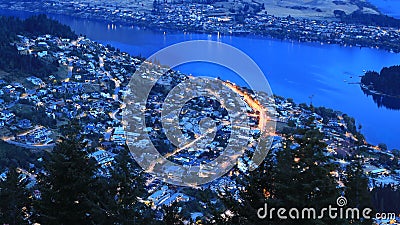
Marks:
<point>295,70</point>
<point>389,7</point>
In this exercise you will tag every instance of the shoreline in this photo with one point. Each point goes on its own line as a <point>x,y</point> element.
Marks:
<point>178,31</point>
<point>375,92</point>
<point>272,33</point>
<point>300,101</point>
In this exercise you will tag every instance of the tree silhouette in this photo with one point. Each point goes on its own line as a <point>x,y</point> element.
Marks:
<point>67,185</point>
<point>15,201</point>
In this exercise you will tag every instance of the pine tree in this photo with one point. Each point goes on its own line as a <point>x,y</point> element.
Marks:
<point>127,186</point>
<point>171,215</point>
<point>257,192</point>
<point>357,192</point>
<point>67,185</point>
<point>15,203</point>
<point>215,215</point>
<point>302,176</point>
<point>299,177</point>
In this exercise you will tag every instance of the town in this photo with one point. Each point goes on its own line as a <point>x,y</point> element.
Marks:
<point>252,19</point>
<point>91,85</point>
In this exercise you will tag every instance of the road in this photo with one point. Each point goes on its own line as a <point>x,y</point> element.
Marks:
<point>254,104</point>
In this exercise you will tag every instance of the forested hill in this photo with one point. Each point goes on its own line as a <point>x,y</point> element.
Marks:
<point>359,17</point>
<point>10,27</point>
<point>387,81</point>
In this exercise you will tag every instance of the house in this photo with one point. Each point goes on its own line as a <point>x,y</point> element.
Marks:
<point>196,215</point>
<point>378,172</point>
<point>160,196</point>
<point>8,89</point>
<point>143,143</point>
<point>24,124</point>
<point>177,197</point>
<point>42,54</point>
<point>18,85</point>
<point>3,176</point>
<point>6,115</point>
<point>43,44</point>
<point>36,81</point>
<point>38,136</point>
<point>23,50</point>
<point>119,136</point>
<point>103,158</point>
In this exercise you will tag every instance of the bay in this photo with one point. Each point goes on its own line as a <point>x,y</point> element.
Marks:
<point>294,70</point>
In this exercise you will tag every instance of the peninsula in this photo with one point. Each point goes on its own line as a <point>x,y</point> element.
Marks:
<point>387,82</point>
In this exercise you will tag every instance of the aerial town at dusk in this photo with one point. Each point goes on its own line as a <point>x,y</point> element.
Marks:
<point>77,126</point>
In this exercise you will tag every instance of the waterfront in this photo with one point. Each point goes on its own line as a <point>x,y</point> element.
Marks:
<point>295,70</point>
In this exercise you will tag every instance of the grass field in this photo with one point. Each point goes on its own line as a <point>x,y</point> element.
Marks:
<point>322,9</point>
<point>316,9</point>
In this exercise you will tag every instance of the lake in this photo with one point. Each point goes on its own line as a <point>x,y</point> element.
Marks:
<point>295,70</point>
<point>389,7</point>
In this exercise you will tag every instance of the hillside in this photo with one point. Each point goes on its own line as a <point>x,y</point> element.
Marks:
<point>315,9</point>
<point>11,62</point>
